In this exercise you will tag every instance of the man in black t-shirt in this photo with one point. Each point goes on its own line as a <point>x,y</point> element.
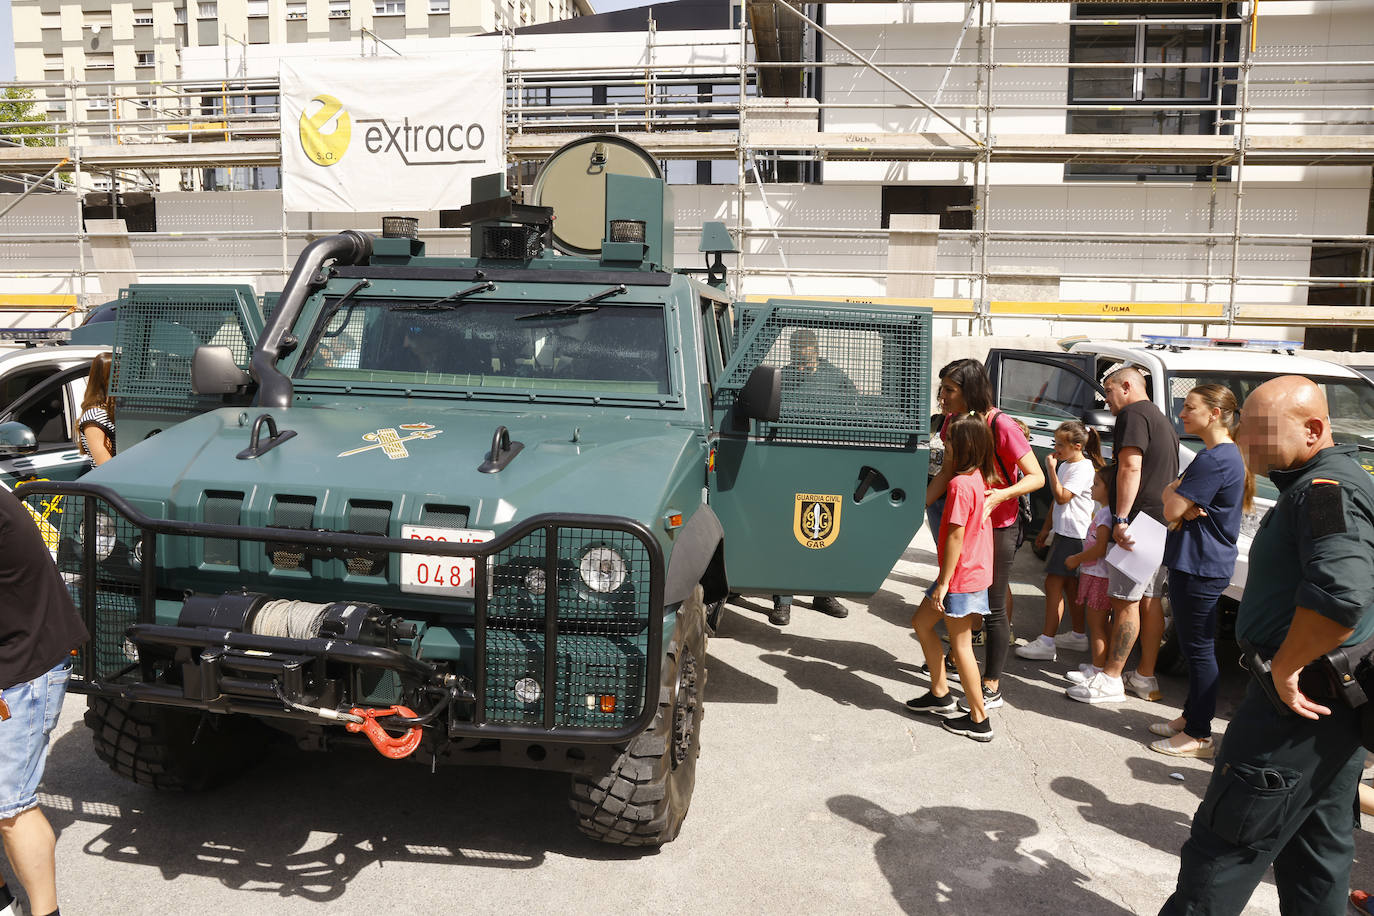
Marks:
<point>1145,449</point>
<point>39,628</point>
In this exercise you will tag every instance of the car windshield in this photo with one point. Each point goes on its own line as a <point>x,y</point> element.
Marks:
<point>611,349</point>
<point>1351,400</point>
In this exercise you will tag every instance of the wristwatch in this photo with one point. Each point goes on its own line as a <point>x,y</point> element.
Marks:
<point>1120,520</point>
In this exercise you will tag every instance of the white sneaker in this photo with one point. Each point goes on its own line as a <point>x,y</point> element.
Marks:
<point>1083,673</point>
<point>1074,642</point>
<point>1037,649</point>
<point>1147,688</point>
<point>1101,689</point>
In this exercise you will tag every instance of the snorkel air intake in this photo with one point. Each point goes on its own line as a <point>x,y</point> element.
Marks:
<point>348,247</point>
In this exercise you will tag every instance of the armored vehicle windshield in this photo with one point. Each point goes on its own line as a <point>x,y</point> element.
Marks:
<point>526,346</point>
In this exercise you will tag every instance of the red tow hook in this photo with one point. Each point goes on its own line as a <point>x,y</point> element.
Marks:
<point>387,746</point>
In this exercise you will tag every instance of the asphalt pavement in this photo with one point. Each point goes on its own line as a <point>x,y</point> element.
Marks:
<point>816,793</point>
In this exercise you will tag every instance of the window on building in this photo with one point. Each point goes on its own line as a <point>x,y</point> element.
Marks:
<point>1135,93</point>
<point>438,6</point>
<point>338,9</point>
<point>143,18</point>
<point>181,15</point>
<point>260,178</point>
<point>99,61</point>
<point>206,10</point>
<point>144,58</point>
<point>953,203</point>
<point>257,8</point>
<point>296,9</point>
<point>99,104</point>
<point>389,7</point>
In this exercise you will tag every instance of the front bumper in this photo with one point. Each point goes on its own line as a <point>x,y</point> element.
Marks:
<point>575,653</point>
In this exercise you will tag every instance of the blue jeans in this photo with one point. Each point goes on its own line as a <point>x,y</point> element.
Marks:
<point>1194,602</point>
<point>34,708</point>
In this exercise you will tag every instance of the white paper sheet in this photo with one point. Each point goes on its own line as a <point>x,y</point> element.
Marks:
<point>1140,562</point>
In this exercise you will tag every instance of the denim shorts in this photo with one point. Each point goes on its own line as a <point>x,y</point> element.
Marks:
<point>34,708</point>
<point>962,604</point>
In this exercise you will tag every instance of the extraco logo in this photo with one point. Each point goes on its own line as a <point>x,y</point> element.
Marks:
<point>325,134</point>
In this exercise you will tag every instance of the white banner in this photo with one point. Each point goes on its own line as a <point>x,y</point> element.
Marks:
<point>390,135</point>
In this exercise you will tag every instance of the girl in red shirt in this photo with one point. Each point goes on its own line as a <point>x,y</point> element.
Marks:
<point>960,593</point>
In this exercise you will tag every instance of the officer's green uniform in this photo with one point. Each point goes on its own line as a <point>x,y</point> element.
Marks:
<point>1283,790</point>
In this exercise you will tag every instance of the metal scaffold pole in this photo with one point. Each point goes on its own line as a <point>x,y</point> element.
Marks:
<point>1242,142</point>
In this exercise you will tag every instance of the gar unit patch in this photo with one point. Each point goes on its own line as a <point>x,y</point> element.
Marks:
<point>816,519</point>
<point>1325,507</point>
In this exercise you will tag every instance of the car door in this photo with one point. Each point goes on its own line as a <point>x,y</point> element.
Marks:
<point>1042,390</point>
<point>825,499</point>
<point>50,409</point>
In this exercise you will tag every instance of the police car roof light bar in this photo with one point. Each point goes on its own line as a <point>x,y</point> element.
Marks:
<point>1164,341</point>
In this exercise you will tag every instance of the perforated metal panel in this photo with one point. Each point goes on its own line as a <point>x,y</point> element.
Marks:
<point>291,512</point>
<point>589,667</point>
<point>445,516</point>
<point>159,329</point>
<point>850,373</point>
<point>222,508</point>
<point>520,582</point>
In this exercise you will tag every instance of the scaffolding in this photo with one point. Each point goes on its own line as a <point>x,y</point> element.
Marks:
<point>746,118</point>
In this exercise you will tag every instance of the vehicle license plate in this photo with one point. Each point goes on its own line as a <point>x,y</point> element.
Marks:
<point>431,575</point>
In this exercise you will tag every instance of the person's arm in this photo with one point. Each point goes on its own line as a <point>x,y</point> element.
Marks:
<point>939,483</point>
<point>97,443</point>
<point>954,543</point>
<point>1176,507</point>
<point>1033,480</point>
<point>1043,537</point>
<point>1094,553</point>
<point>1129,464</point>
<point>1061,492</point>
<point>1310,636</point>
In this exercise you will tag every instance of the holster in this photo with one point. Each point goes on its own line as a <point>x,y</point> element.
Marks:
<point>1351,672</point>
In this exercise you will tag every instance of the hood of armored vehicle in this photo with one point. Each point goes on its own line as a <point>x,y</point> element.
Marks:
<point>414,456</point>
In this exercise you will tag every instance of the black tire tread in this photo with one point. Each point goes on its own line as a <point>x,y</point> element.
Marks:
<point>628,806</point>
<point>169,749</point>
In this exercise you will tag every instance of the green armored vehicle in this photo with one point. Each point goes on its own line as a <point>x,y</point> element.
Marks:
<point>478,509</point>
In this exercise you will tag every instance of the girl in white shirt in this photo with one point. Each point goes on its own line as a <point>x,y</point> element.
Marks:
<point>1076,457</point>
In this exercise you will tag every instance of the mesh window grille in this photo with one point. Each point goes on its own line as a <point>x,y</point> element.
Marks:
<point>158,333</point>
<point>849,374</point>
<point>290,512</point>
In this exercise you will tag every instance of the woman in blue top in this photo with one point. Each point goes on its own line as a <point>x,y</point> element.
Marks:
<point>1203,508</point>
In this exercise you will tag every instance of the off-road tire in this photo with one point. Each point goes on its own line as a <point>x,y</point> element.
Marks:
<point>172,749</point>
<point>643,798</point>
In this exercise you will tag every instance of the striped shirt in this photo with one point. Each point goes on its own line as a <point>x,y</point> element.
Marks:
<point>97,417</point>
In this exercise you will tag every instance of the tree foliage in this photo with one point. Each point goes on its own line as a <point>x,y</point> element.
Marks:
<point>20,121</point>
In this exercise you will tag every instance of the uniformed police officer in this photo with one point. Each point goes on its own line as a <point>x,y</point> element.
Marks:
<point>1283,790</point>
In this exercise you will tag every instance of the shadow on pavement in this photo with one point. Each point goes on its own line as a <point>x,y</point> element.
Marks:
<point>1149,825</point>
<point>830,667</point>
<point>968,860</point>
<point>301,826</point>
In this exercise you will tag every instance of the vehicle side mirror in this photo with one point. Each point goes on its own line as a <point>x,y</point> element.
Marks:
<point>761,396</point>
<point>1101,420</point>
<point>16,439</point>
<point>214,371</point>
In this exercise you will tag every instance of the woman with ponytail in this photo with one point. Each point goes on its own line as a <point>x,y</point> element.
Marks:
<point>1203,508</point>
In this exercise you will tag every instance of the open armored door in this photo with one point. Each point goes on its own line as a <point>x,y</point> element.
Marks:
<point>159,328</point>
<point>825,499</point>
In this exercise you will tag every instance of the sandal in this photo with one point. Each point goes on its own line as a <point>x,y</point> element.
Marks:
<point>1203,749</point>
<point>1164,730</point>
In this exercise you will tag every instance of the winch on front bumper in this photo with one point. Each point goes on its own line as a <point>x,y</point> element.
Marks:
<point>519,659</point>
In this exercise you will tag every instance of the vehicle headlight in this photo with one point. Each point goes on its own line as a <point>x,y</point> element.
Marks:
<point>136,555</point>
<point>527,690</point>
<point>603,569</point>
<point>104,536</point>
<point>1250,521</point>
<point>535,581</point>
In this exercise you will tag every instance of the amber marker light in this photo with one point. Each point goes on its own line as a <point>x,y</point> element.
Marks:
<point>607,703</point>
<point>672,519</point>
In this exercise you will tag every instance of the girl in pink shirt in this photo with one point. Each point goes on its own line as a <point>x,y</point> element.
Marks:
<point>960,593</point>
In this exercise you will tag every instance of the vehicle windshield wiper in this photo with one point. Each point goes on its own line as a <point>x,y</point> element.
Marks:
<point>577,308</point>
<point>339,302</point>
<point>447,302</point>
